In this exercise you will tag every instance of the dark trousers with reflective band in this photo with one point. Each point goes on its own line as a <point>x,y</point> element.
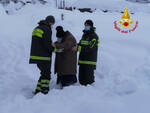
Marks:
<point>44,80</point>
<point>45,70</point>
<point>86,74</point>
<point>66,80</point>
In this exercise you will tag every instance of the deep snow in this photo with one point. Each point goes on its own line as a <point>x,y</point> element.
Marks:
<point>110,5</point>
<point>122,76</point>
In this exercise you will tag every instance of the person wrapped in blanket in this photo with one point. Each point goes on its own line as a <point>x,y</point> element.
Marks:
<point>66,59</point>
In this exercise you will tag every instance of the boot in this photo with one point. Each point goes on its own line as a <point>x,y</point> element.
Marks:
<point>45,86</point>
<point>38,87</point>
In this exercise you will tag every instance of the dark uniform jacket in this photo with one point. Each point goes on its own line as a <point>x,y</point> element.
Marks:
<point>66,61</point>
<point>41,49</point>
<point>88,48</point>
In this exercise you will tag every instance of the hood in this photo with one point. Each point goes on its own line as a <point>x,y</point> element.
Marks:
<point>43,22</point>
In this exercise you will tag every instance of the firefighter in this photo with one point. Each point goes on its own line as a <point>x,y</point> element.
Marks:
<point>88,48</point>
<point>41,52</point>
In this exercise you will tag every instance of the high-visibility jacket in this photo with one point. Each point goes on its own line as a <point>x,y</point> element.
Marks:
<point>41,49</point>
<point>88,48</point>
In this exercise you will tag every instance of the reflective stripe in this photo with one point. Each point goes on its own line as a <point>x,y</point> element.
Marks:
<point>38,88</point>
<point>94,40</point>
<point>45,81</point>
<point>40,58</point>
<point>37,32</point>
<point>98,41</point>
<point>84,42</point>
<point>38,83</point>
<point>87,62</point>
<point>45,85</point>
<point>55,50</point>
<point>79,48</point>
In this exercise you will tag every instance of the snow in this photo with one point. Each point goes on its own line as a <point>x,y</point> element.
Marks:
<point>122,76</point>
<point>110,5</point>
<point>2,10</point>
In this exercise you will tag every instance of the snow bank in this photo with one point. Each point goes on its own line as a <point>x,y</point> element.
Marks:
<point>110,5</point>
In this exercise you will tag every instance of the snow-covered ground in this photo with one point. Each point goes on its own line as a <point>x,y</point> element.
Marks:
<point>122,76</point>
<point>110,5</point>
